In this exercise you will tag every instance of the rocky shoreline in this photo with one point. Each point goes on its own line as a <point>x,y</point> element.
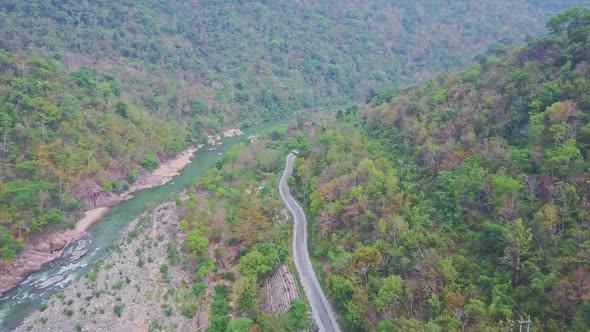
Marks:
<point>130,289</point>
<point>46,247</point>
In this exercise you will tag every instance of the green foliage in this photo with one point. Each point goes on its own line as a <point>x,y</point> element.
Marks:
<point>197,243</point>
<point>274,323</point>
<point>62,135</point>
<point>199,288</point>
<point>189,310</point>
<point>296,56</point>
<point>118,309</point>
<point>390,292</point>
<point>246,293</point>
<point>254,264</point>
<point>239,325</point>
<point>164,272</point>
<point>458,205</point>
<point>173,253</point>
<point>298,318</point>
<point>43,307</point>
<point>149,162</point>
<point>220,310</point>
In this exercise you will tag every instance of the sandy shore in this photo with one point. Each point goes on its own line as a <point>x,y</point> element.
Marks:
<point>91,217</point>
<point>171,167</point>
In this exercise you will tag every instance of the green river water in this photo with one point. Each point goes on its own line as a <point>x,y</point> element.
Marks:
<point>17,303</point>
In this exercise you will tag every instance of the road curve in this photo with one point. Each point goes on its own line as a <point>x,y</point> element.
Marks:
<point>320,307</point>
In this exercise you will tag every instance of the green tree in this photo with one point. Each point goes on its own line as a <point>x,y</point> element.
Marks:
<point>7,256</point>
<point>197,243</point>
<point>518,240</point>
<point>559,159</point>
<point>297,316</point>
<point>253,264</point>
<point>246,293</point>
<point>390,293</point>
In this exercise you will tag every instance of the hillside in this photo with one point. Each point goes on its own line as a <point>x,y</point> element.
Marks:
<point>462,204</point>
<point>95,93</point>
<point>237,60</point>
<point>64,135</point>
<point>459,203</point>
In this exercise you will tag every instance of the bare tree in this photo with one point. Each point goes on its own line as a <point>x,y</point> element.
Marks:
<point>531,185</point>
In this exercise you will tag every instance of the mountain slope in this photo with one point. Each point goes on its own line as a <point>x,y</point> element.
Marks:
<point>63,135</point>
<point>247,60</point>
<point>462,204</point>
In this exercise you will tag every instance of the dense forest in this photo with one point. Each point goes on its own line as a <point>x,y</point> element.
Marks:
<point>93,93</point>
<point>63,134</point>
<point>462,204</point>
<point>239,60</point>
<point>455,203</point>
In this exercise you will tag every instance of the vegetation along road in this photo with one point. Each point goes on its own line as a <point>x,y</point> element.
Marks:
<point>322,312</point>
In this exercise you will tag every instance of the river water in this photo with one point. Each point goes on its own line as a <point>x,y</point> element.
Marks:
<point>16,304</point>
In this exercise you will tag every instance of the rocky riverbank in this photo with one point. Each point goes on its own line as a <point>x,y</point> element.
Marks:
<point>142,285</point>
<point>41,250</point>
<point>46,247</point>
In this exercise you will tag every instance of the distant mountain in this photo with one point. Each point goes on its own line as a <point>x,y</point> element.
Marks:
<point>243,60</point>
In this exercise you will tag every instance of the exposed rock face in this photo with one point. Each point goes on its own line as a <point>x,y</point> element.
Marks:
<point>39,251</point>
<point>92,200</point>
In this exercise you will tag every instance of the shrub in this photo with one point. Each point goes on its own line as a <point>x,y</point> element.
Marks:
<point>188,310</point>
<point>239,325</point>
<point>199,288</point>
<point>119,310</point>
<point>149,162</point>
<point>164,271</point>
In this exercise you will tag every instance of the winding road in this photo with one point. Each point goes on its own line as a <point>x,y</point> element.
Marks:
<point>320,307</point>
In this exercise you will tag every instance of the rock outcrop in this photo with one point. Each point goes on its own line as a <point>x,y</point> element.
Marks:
<point>39,251</point>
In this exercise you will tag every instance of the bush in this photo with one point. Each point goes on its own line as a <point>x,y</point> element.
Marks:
<point>119,310</point>
<point>189,310</point>
<point>297,317</point>
<point>150,162</point>
<point>239,325</point>
<point>167,309</point>
<point>199,288</point>
<point>164,271</point>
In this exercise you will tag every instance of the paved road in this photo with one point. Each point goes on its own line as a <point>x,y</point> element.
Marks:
<point>320,307</point>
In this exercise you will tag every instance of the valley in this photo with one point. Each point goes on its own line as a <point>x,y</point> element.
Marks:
<point>407,166</point>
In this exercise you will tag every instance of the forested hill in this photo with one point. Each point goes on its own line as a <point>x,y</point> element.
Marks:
<point>463,204</point>
<point>65,134</point>
<point>245,60</point>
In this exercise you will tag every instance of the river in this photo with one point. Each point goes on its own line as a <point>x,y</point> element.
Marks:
<point>17,303</point>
